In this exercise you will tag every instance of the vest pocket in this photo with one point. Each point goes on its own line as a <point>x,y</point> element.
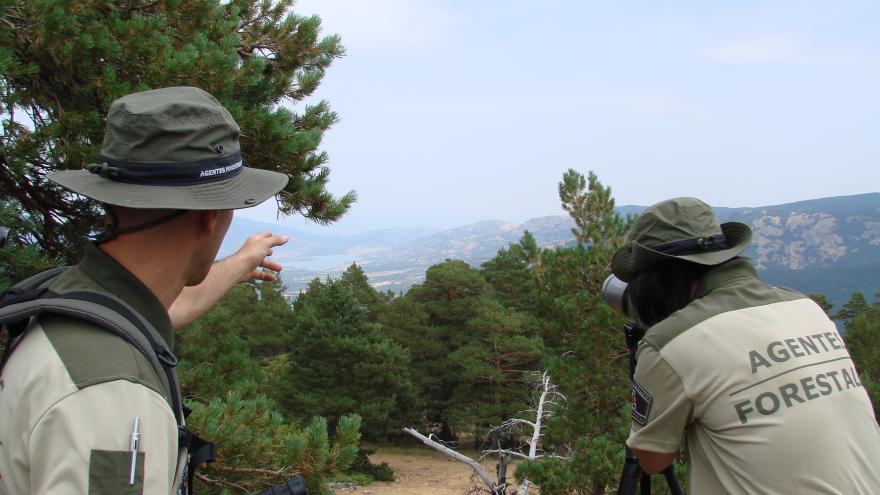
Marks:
<point>110,473</point>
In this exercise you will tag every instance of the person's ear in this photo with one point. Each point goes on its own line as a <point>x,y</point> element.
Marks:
<point>207,222</point>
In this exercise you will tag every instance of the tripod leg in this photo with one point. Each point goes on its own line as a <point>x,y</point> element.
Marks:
<point>632,473</point>
<point>645,484</point>
<point>633,480</point>
<point>672,481</point>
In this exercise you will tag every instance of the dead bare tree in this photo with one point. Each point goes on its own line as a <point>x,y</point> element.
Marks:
<point>547,398</point>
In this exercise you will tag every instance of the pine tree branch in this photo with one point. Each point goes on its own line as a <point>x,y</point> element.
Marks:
<point>138,8</point>
<point>13,188</point>
<point>208,481</point>
<point>280,473</point>
<point>262,17</point>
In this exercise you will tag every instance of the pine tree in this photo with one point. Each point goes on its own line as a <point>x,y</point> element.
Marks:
<point>259,448</point>
<point>263,333</point>
<point>856,305</point>
<point>598,226</point>
<point>510,273</point>
<point>341,362</point>
<point>495,367</point>
<point>823,302</point>
<point>62,62</point>
<point>405,321</point>
<point>372,300</point>
<point>230,386</point>
<point>861,336</point>
<point>451,294</point>
<point>232,340</point>
<point>591,206</point>
<point>586,351</point>
<point>214,357</point>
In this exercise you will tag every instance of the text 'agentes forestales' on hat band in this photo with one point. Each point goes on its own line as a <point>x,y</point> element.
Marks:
<point>160,174</point>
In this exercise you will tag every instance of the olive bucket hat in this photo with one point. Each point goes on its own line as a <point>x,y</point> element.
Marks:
<point>171,148</point>
<point>679,228</point>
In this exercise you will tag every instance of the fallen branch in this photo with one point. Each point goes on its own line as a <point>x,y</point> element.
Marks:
<point>548,397</point>
<point>459,457</point>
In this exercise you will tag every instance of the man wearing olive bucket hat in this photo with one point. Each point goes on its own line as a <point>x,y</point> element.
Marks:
<point>84,409</point>
<point>755,378</point>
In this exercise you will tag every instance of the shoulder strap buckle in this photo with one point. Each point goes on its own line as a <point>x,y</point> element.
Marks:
<point>166,356</point>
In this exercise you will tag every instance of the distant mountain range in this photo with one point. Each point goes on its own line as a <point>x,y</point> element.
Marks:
<point>828,245</point>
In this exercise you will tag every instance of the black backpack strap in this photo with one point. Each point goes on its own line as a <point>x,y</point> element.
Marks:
<point>200,452</point>
<point>15,327</point>
<point>31,283</point>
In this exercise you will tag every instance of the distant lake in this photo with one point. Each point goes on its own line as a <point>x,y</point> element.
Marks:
<point>319,263</point>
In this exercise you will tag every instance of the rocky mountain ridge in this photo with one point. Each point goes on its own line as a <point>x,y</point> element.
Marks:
<point>821,245</point>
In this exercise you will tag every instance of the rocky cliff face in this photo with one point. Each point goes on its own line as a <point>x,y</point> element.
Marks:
<point>799,235</point>
<point>798,241</point>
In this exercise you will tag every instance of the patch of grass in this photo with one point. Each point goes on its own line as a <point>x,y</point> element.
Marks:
<point>363,466</point>
<point>355,478</point>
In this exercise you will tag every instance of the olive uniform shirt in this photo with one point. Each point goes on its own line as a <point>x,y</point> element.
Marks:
<point>70,392</point>
<point>759,382</point>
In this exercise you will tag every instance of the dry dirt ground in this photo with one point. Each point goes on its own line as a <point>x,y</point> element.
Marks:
<point>421,471</point>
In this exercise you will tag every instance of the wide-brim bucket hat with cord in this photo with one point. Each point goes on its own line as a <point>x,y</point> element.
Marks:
<point>172,148</point>
<point>679,228</point>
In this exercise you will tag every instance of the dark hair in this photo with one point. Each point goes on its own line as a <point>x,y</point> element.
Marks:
<point>662,289</point>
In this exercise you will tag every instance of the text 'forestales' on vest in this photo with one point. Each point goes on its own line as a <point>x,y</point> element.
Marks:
<point>807,388</point>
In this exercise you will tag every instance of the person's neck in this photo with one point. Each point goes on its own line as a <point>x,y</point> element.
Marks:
<point>160,267</point>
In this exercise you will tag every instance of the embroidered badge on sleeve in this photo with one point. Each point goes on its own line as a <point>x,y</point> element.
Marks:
<point>641,404</point>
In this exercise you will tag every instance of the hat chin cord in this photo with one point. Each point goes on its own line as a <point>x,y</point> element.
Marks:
<point>112,230</point>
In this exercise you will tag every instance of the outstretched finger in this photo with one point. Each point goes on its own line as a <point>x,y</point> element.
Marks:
<point>258,236</point>
<point>271,265</point>
<point>263,276</point>
<point>274,240</point>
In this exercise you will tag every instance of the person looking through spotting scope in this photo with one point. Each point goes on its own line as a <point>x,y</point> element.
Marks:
<point>754,378</point>
<point>89,401</point>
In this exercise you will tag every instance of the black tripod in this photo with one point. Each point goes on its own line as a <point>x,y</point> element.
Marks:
<point>632,476</point>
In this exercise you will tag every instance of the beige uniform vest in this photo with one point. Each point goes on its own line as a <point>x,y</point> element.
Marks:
<point>759,383</point>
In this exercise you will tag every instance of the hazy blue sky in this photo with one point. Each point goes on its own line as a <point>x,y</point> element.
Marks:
<point>459,111</point>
